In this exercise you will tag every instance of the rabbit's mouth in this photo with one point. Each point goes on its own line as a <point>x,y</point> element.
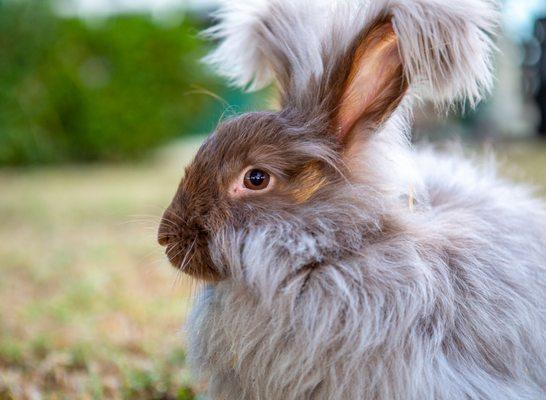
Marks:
<point>190,255</point>
<point>179,256</point>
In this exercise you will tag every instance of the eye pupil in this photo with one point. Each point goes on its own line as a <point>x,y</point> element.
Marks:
<point>256,179</point>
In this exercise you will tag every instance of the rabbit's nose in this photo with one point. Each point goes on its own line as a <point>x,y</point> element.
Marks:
<point>163,240</point>
<point>165,233</point>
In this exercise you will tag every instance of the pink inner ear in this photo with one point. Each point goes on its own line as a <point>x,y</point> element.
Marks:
<point>373,83</point>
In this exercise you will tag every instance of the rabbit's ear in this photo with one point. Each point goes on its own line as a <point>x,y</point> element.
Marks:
<point>374,83</point>
<point>443,46</point>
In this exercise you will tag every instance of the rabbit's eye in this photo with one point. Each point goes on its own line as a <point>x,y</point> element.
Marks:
<point>256,179</point>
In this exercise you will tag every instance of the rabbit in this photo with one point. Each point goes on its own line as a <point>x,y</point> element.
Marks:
<point>340,261</point>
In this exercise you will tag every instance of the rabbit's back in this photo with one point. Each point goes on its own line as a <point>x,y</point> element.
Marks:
<point>493,236</point>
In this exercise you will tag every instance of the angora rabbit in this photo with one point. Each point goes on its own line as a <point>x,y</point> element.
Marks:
<point>341,263</point>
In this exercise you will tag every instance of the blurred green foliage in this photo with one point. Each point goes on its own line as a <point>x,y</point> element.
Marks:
<point>72,90</point>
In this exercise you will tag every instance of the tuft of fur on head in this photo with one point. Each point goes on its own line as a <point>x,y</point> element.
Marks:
<point>260,38</point>
<point>446,46</point>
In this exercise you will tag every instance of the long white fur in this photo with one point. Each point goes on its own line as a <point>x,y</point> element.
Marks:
<point>449,307</point>
<point>241,56</point>
<point>448,304</point>
<point>445,45</point>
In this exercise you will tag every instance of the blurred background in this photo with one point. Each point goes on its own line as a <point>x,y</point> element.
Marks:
<point>102,103</point>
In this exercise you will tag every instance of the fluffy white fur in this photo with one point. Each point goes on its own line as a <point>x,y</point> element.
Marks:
<point>444,300</point>
<point>451,307</point>
<point>445,45</point>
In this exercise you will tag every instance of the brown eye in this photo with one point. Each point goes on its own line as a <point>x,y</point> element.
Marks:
<point>256,179</point>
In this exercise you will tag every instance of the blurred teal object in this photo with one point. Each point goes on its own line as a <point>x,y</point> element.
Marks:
<point>113,90</point>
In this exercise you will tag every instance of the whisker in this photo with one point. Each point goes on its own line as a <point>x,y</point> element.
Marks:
<point>170,233</point>
<point>232,109</point>
<point>170,212</point>
<point>185,261</point>
<point>201,90</point>
<point>176,280</point>
<point>179,275</point>
<point>183,264</point>
<point>171,249</point>
<point>170,224</point>
<point>155,262</point>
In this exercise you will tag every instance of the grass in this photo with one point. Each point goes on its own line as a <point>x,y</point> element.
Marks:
<point>89,307</point>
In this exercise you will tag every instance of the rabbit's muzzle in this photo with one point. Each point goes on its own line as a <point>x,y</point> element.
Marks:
<point>186,245</point>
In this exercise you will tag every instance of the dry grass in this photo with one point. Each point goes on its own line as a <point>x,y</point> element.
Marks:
<point>89,308</point>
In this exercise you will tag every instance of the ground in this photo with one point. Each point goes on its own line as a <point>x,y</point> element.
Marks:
<point>89,307</point>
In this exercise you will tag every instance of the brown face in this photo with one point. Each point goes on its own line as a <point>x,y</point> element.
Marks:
<point>260,167</point>
<point>251,170</point>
